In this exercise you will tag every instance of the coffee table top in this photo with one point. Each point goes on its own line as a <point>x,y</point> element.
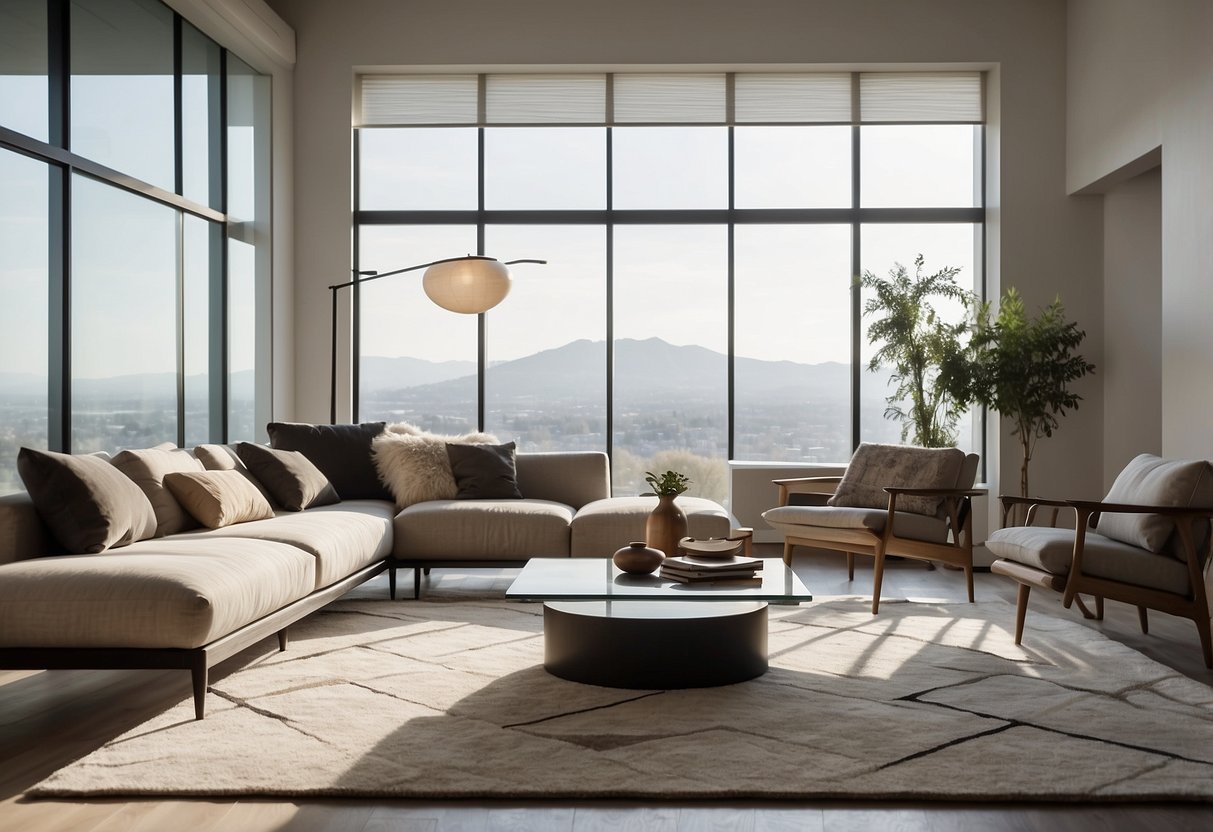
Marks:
<point>597,579</point>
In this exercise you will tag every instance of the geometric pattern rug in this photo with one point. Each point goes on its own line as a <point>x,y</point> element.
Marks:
<point>448,698</point>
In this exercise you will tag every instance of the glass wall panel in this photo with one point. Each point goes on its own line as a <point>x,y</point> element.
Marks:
<point>124,319</point>
<point>546,376</point>
<point>792,388</point>
<point>24,186</point>
<point>247,140</point>
<point>23,64</point>
<point>671,356</point>
<point>545,168</point>
<point>241,341</point>
<point>200,116</point>
<point>670,167</point>
<point>920,166</point>
<point>883,247</point>
<point>122,87</point>
<point>418,361</point>
<point>421,168</point>
<point>792,167</point>
<point>196,297</point>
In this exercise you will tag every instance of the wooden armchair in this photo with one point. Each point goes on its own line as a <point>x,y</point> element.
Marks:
<point>928,516</point>
<point>1147,552</point>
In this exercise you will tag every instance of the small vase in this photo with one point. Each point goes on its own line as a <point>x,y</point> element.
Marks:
<point>665,526</point>
<point>637,558</point>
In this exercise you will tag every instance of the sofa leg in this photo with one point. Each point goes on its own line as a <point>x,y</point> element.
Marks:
<point>282,640</point>
<point>198,674</point>
<point>850,566</point>
<point>391,582</point>
<point>416,582</point>
<point>1144,619</point>
<point>1021,610</point>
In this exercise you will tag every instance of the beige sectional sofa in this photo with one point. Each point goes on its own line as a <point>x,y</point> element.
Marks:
<point>194,598</point>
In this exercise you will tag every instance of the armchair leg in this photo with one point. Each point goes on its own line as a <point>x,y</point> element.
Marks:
<point>1086,613</point>
<point>1205,627</point>
<point>1099,608</point>
<point>1144,619</point>
<point>877,577</point>
<point>787,554</point>
<point>969,579</point>
<point>1021,610</point>
<point>850,566</point>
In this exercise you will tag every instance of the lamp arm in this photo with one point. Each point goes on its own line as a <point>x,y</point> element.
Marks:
<point>376,275</point>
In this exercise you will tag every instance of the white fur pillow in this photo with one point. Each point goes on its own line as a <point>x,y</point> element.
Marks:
<point>413,464</point>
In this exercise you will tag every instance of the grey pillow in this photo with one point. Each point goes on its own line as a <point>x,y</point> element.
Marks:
<point>218,498</point>
<point>1152,481</point>
<point>147,469</point>
<point>484,472</point>
<point>875,466</point>
<point>341,452</point>
<point>290,478</point>
<point>88,504</point>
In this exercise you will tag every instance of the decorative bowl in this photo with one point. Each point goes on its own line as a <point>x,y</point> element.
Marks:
<point>637,558</point>
<point>714,547</point>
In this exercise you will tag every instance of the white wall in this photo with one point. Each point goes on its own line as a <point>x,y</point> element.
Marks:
<point>1041,240</point>
<point>1140,76</point>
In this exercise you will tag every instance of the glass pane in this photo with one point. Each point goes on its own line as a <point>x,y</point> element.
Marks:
<point>792,393</point>
<point>671,363</point>
<point>196,261</point>
<point>546,377</point>
<point>407,169</point>
<point>241,341</point>
<point>418,360</point>
<point>545,168</point>
<point>122,86</point>
<point>124,321</point>
<point>24,186</point>
<point>248,106</point>
<point>882,248</point>
<point>671,167</point>
<point>200,114</point>
<point>920,166</point>
<point>23,62</point>
<point>792,167</point>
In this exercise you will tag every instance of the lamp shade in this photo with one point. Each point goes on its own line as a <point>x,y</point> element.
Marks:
<point>467,284</point>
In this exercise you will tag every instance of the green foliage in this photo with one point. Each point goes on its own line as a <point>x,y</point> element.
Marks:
<point>1022,367</point>
<point>669,484</point>
<point>916,343</point>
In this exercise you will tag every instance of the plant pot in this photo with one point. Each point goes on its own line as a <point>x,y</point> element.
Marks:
<point>638,559</point>
<point>665,526</point>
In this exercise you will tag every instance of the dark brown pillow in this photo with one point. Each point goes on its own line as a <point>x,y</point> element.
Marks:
<point>484,472</point>
<point>341,452</point>
<point>290,478</point>
<point>87,503</point>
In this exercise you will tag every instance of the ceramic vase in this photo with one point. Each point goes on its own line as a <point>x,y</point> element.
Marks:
<point>665,526</point>
<point>638,559</point>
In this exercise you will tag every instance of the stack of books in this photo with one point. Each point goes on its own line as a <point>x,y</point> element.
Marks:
<point>688,569</point>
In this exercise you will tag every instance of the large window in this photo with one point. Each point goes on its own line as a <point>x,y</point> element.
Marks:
<point>704,234</point>
<point>134,231</point>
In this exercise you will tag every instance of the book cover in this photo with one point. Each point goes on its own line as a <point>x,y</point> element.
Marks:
<point>690,562</point>
<point>740,580</point>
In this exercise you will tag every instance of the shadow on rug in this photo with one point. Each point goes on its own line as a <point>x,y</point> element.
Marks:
<point>434,700</point>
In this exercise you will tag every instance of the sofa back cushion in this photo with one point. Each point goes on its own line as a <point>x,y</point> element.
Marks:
<point>218,498</point>
<point>575,478</point>
<point>147,469</point>
<point>1153,481</point>
<point>341,452</point>
<point>289,476</point>
<point>875,466</point>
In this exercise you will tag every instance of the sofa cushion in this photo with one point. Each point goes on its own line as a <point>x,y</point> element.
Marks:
<point>603,526</point>
<point>147,468</point>
<point>574,478</point>
<point>414,464</point>
<point>805,521</point>
<point>289,476</point>
<point>218,498</point>
<point>1052,550</point>
<point>341,452</point>
<point>874,466</point>
<point>484,472</point>
<point>1153,481</point>
<point>87,503</point>
<point>483,529</point>
<point>342,538</point>
<point>167,592</point>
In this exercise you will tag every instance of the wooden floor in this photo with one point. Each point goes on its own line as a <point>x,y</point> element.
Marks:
<point>48,719</point>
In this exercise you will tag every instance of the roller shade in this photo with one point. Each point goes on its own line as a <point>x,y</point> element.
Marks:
<point>920,96</point>
<point>418,99</point>
<point>545,99</point>
<point>792,97</point>
<point>662,97</point>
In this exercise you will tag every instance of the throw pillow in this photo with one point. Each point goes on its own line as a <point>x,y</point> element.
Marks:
<point>1152,481</point>
<point>290,478</point>
<point>875,466</point>
<point>88,504</point>
<point>223,458</point>
<point>218,498</point>
<point>341,452</point>
<point>147,469</point>
<point>484,472</point>
<point>415,466</point>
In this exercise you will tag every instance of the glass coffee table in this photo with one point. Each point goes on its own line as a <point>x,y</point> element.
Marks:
<point>602,626</point>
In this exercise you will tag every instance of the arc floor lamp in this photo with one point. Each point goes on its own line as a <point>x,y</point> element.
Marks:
<point>468,285</point>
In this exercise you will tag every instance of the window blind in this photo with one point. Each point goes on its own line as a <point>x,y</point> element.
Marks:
<point>418,99</point>
<point>920,96</point>
<point>792,97</point>
<point>670,97</point>
<point>545,99</point>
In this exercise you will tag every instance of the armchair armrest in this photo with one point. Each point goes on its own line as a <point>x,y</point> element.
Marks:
<point>805,485</point>
<point>1096,506</point>
<point>1011,501</point>
<point>936,492</point>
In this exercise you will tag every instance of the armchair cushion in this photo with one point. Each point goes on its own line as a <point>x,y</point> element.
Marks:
<point>805,521</point>
<point>1150,480</point>
<point>875,466</point>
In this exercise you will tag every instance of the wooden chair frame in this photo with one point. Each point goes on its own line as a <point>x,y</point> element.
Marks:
<point>1194,605</point>
<point>956,551</point>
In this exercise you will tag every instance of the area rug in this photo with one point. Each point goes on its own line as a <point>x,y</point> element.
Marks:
<point>449,699</point>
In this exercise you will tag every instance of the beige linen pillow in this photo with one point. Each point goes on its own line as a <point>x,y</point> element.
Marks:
<point>289,476</point>
<point>1152,481</point>
<point>414,465</point>
<point>147,469</point>
<point>223,458</point>
<point>875,466</point>
<point>218,498</point>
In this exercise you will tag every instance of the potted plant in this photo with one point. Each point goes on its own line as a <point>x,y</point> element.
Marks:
<point>1021,367</point>
<point>916,342</point>
<point>666,525</point>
